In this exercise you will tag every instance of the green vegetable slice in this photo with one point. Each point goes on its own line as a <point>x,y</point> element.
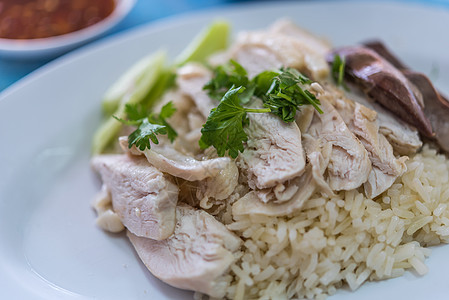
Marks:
<point>208,41</point>
<point>134,93</point>
<point>134,82</point>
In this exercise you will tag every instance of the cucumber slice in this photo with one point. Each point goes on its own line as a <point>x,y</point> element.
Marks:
<point>211,39</point>
<point>133,87</point>
<point>138,79</point>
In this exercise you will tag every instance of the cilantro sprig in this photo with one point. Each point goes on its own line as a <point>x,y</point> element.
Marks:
<point>338,71</point>
<point>286,93</point>
<point>226,76</point>
<point>148,125</point>
<point>224,126</point>
<point>282,93</point>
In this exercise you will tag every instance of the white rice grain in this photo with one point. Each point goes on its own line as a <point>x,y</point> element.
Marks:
<point>346,239</point>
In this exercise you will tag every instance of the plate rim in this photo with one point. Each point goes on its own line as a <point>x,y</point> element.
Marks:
<point>131,34</point>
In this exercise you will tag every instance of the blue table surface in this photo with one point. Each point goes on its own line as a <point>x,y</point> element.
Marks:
<point>143,12</point>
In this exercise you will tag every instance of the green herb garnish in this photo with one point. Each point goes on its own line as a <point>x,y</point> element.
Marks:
<point>226,76</point>
<point>148,126</point>
<point>338,71</point>
<point>286,93</point>
<point>224,126</point>
<point>282,92</point>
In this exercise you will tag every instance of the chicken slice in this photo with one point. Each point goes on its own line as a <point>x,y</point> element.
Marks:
<point>252,204</point>
<point>186,120</point>
<point>349,164</point>
<point>362,121</point>
<point>165,158</point>
<point>107,218</point>
<point>403,137</point>
<point>221,186</point>
<point>195,257</point>
<point>318,157</point>
<point>304,117</point>
<point>260,51</point>
<point>273,152</point>
<point>302,187</point>
<point>143,197</point>
<point>190,80</point>
<point>314,43</point>
<point>386,167</point>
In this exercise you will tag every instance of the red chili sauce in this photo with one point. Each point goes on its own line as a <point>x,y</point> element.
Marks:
<point>33,19</point>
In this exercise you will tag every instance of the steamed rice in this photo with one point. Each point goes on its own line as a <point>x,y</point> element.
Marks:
<point>346,239</point>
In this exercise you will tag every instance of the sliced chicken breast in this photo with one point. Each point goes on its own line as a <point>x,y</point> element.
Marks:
<point>349,164</point>
<point>260,51</point>
<point>195,257</point>
<point>165,158</point>
<point>403,137</point>
<point>143,197</point>
<point>386,167</point>
<point>362,121</point>
<point>290,197</point>
<point>273,152</point>
<point>252,203</point>
<point>190,80</point>
<point>221,186</point>
<point>314,43</point>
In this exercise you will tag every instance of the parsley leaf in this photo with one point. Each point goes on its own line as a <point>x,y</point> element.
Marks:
<point>166,112</point>
<point>224,127</point>
<point>285,93</point>
<point>281,92</point>
<point>226,76</point>
<point>338,71</point>
<point>148,126</point>
<point>144,133</point>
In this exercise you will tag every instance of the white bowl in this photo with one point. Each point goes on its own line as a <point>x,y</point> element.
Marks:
<point>52,46</point>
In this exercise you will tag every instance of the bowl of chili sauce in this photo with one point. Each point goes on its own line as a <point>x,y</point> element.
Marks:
<point>44,28</point>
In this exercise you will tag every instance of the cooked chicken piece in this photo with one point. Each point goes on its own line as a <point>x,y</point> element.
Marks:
<point>349,164</point>
<point>102,200</point>
<point>143,197</point>
<point>279,194</point>
<point>288,28</point>
<point>260,51</point>
<point>403,137</point>
<point>165,158</point>
<point>318,157</point>
<point>107,218</point>
<point>251,203</point>
<point>110,221</point>
<point>290,197</point>
<point>187,121</point>
<point>386,167</point>
<point>304,117</point>
<point>195,257</point>
<point>221,186</point>
<point>183,104</point>
<point>191,79</point>
<point>273,153</point>
<point>362,121</point>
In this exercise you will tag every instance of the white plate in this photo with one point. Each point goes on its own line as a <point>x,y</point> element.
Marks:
<point>49,245</point>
